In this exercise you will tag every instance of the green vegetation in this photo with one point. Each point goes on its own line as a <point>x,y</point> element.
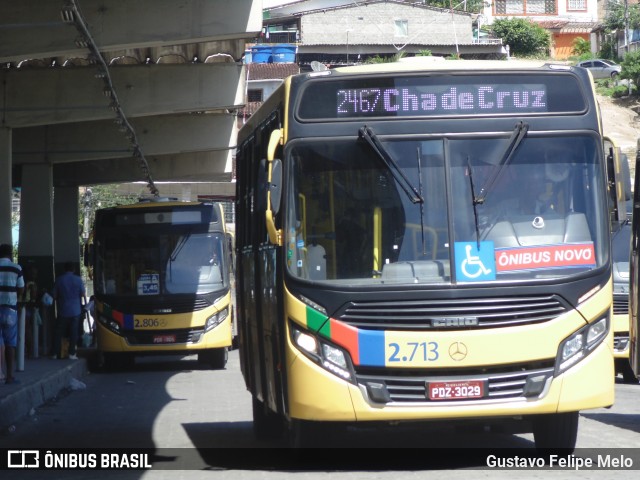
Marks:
<point>582,48</point>
<point>614,20</point>
<point>471,6</point>
<point>610,88</point>
<point>96,197</point>
<point>631,67</point>
<point>525,38</point>
<point>608,49</point>
<point>378,59</point>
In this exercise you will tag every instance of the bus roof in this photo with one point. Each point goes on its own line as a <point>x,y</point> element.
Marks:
<point>408,64</point>
<point>159,203</point>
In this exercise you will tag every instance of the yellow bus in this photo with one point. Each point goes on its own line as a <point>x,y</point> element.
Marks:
<point>634,275</point>
<point>426,241</point>
<point>620,244</point>
<point>161,282</point>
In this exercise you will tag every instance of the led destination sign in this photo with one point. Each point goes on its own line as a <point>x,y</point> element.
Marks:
<point>464,99</point>
<point>442,95</point>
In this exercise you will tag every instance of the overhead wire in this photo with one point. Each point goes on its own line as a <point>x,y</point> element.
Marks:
<point>71,14</point>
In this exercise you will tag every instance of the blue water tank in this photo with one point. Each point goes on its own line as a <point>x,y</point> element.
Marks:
<point>284,53</point>
<point>261,54</point>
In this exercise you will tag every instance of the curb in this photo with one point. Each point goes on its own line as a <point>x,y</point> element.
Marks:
<point>18,405</point>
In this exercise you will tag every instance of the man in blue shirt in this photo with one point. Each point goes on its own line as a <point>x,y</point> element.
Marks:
<point>11,287</point>
<point>70,296</point>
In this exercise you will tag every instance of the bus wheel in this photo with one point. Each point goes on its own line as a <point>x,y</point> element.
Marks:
<point>556,432</point>
<point>627,373</point>
<point>117,361</point>
<point>308,434</point>
<point>216,357</point>
<point>267,425</point>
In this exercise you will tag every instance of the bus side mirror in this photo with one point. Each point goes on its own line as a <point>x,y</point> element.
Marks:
<point>619,182</point>
<point>274,189</point>
<point>275,185</point>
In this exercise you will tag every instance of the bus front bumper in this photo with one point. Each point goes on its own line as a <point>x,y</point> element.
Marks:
<point>159,341</point>
<point>315,394</point>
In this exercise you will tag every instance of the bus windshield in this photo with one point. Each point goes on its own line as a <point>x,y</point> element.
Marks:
<point>151,262</point>
<point>541,215</point>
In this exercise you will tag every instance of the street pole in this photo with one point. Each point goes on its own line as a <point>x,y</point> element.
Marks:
<point>626,35</point>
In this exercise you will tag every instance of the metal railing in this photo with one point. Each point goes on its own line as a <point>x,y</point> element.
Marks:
<point>488,41</point>
<point>279,37</point>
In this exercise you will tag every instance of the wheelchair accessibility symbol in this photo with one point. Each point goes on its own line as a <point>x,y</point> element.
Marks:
<point>473,264</point>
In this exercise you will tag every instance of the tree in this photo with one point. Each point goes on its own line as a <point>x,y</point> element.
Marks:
<point>96,197</point>
<point>631,67</point>
<point>581,46</point>
<point>471,6</point>
<point>614,20</point>
<point>524,37</point>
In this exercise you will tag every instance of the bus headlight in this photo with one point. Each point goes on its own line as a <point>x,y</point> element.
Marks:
<point>325,354</point>
<point>306,342</point>
<point>109,324</point>
<point>216,319</point>
<point>581,344</point>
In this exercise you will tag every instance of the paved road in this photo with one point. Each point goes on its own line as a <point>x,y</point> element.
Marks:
<point>189,414</point>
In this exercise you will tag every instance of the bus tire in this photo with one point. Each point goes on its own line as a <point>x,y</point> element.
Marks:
<point>215,357</point>
<point>309,434</point>
<point>112,362</point>
<point>556,432</point>
<point>627,372</point>
<point>267,425</point>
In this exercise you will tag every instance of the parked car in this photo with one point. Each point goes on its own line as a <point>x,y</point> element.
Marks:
<point>601,68</point>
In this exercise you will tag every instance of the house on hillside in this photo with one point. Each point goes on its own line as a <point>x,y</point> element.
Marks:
<point>342,32</point>
<point>565,20</point>
<point>262,80</point>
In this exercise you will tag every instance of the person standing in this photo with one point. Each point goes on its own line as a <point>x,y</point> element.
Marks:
<point>31,305</point>
<point>70,295</point>
<point>11,288</point>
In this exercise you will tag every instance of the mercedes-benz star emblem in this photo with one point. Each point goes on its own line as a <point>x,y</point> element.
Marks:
<point>458,351</point>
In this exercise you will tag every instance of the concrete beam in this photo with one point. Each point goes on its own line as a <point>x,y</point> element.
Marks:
<point>185,167</point>
<point>172,189</point>
<point>72,94</point>
<point>160,135</point>
<point>34,28</point>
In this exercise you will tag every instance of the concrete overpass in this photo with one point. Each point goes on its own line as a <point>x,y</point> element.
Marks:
<point>113,91</point>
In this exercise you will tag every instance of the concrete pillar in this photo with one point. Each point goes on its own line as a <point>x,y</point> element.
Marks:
<point>36,222</point>
<point>5,185</point>
<point>186,192</point>
<point>36,236</point>
<point>66,234</point>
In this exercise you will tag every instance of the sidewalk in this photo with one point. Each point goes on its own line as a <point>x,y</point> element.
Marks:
<point>41,380</point>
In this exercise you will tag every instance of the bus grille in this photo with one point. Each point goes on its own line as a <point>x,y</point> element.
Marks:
<point>620,304</point>
<point>445,314</point>
<point>502,383</point>
<point>159,304</point>
<point>149,337</point>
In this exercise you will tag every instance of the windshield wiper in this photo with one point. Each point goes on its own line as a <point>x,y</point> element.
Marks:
<point>178,248</point>
<point>519,132</point>
<point>473,197</point>
<point>370,137</point>
<point>418,158</point>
